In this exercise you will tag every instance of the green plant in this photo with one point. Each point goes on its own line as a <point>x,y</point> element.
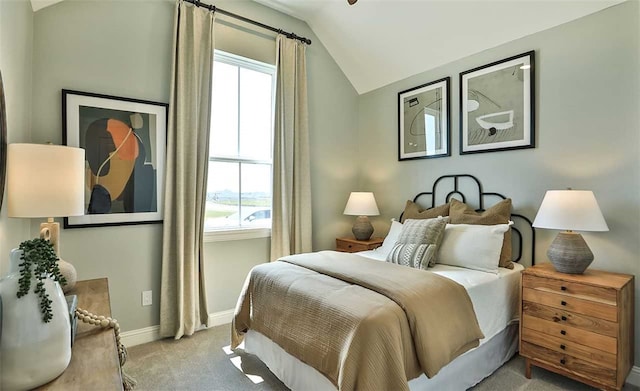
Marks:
<point>39,261</point>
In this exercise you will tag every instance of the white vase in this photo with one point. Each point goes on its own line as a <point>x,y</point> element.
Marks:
<point>32,352</point>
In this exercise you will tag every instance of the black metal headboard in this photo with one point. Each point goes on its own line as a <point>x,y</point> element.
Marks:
<point>461,184</point>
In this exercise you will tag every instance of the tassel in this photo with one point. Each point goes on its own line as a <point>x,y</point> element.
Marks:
<point>128,382</point>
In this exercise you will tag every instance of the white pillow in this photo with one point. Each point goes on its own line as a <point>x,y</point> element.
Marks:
<point>472,246</point>
<point>391,238</point>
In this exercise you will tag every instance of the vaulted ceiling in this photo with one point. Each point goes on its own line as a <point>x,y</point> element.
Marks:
<point>378,42</point>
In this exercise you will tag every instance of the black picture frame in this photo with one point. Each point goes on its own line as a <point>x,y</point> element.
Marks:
<point>497,105</point>
<point>125,155</point>
<point>415,140</point>
<point>3,141</point>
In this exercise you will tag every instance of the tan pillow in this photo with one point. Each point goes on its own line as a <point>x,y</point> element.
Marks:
<point>413,211</point>
<point>500,213</point>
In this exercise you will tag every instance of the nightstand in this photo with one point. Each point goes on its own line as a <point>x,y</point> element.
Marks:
<point>578,325</point>
<point>352,245</point>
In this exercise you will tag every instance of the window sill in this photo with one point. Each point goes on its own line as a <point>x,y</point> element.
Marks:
<point>236,234</point>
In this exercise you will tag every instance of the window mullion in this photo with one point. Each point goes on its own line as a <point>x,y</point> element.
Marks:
<point>239,113</point>
<point>238,148</point>
<point>234,160</point>
<point>240,192</point>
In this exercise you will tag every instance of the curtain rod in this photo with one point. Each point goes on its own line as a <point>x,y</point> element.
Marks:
<point>247,20</point>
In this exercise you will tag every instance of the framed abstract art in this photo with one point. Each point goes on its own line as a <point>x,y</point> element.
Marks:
<point>423,121</point>
<point>125,144</point>
<point>497,106</point>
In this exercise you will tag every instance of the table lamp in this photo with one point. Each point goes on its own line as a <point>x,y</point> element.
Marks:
<point>570,210</point>
<point>46,181</point>
<point>361,204</point>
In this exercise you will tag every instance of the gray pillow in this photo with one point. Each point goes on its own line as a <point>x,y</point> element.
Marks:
<point>418,243</point>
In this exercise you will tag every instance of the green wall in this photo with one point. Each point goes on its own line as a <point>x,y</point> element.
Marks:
<point>588,135</point>
<point>16,48</point>
<point>124,49</point>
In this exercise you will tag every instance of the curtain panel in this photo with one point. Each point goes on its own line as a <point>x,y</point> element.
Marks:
<point>183,300</point>
<point>291,211</point>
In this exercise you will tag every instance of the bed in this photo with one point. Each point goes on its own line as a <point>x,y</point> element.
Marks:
<point>328,320</point>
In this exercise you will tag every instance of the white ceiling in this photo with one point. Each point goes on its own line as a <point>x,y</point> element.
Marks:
<point>378,42</point>
<point>39,4</point>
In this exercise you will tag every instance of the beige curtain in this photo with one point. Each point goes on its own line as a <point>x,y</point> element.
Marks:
<point>291,213</point>
<point>183,300</point>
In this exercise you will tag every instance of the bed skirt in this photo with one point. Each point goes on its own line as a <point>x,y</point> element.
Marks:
<point>464,372</point>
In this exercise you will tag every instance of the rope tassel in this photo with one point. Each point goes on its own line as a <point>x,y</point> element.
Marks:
<point>85,316</point>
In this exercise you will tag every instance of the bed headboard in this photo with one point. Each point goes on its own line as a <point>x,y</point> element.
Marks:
<point>468,189</point>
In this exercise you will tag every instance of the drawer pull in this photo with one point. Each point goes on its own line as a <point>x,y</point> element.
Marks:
<point>563,288</point>
<point>564,317</point>
<point>563,347</point>
<point>349,246</point>
<point>563,332</point>
<point>562,361</point>
<point>563,302</point>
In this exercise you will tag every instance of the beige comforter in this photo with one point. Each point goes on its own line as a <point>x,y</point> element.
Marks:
<point>364,324</point>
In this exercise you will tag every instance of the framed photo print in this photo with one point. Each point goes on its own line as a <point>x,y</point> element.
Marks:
<point>125,144</point>
<point>423,121</point>
<point>497,106</point>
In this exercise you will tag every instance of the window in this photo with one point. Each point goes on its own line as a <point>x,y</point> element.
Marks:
<point>240,145</point>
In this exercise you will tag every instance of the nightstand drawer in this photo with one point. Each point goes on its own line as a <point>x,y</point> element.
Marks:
<point>562,345</point>
<point>559,316</point>
<point>568,333</point>
<point>580,291</point>
<point>569,363</point>
<point>350,247</point>
<point>571,303</point>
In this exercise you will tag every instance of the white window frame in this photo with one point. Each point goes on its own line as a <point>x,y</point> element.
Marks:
<point>243,233</point>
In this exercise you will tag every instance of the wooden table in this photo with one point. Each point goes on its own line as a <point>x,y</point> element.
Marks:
<point>94,357</point>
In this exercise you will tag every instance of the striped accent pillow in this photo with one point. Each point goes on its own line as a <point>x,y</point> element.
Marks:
<point>418,243</point>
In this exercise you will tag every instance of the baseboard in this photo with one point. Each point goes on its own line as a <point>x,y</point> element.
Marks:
<point>634,376</point>
<point>220,318</point>
<point>140,336</point>
<point>152,333</point>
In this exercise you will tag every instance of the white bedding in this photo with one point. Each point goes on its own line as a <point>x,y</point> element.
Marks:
<point>495,300</point>
<point>462,373</point>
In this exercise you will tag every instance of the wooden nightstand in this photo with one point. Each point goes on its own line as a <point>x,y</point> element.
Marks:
<point>578,325</point>
<point>352,245</point>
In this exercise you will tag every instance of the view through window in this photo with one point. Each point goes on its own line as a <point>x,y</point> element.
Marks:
<point>240,145</point>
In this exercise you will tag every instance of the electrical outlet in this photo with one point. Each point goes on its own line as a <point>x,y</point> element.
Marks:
<point>147,298</point>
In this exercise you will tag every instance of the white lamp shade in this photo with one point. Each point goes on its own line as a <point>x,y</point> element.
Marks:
<point>45,180</point>
<point>361,204</point>
<point>575,210</point>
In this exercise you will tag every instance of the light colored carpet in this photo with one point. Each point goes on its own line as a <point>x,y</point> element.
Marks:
<point>200,363</point>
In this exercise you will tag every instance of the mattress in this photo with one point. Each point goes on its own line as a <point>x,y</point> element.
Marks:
<point>495,299</point>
